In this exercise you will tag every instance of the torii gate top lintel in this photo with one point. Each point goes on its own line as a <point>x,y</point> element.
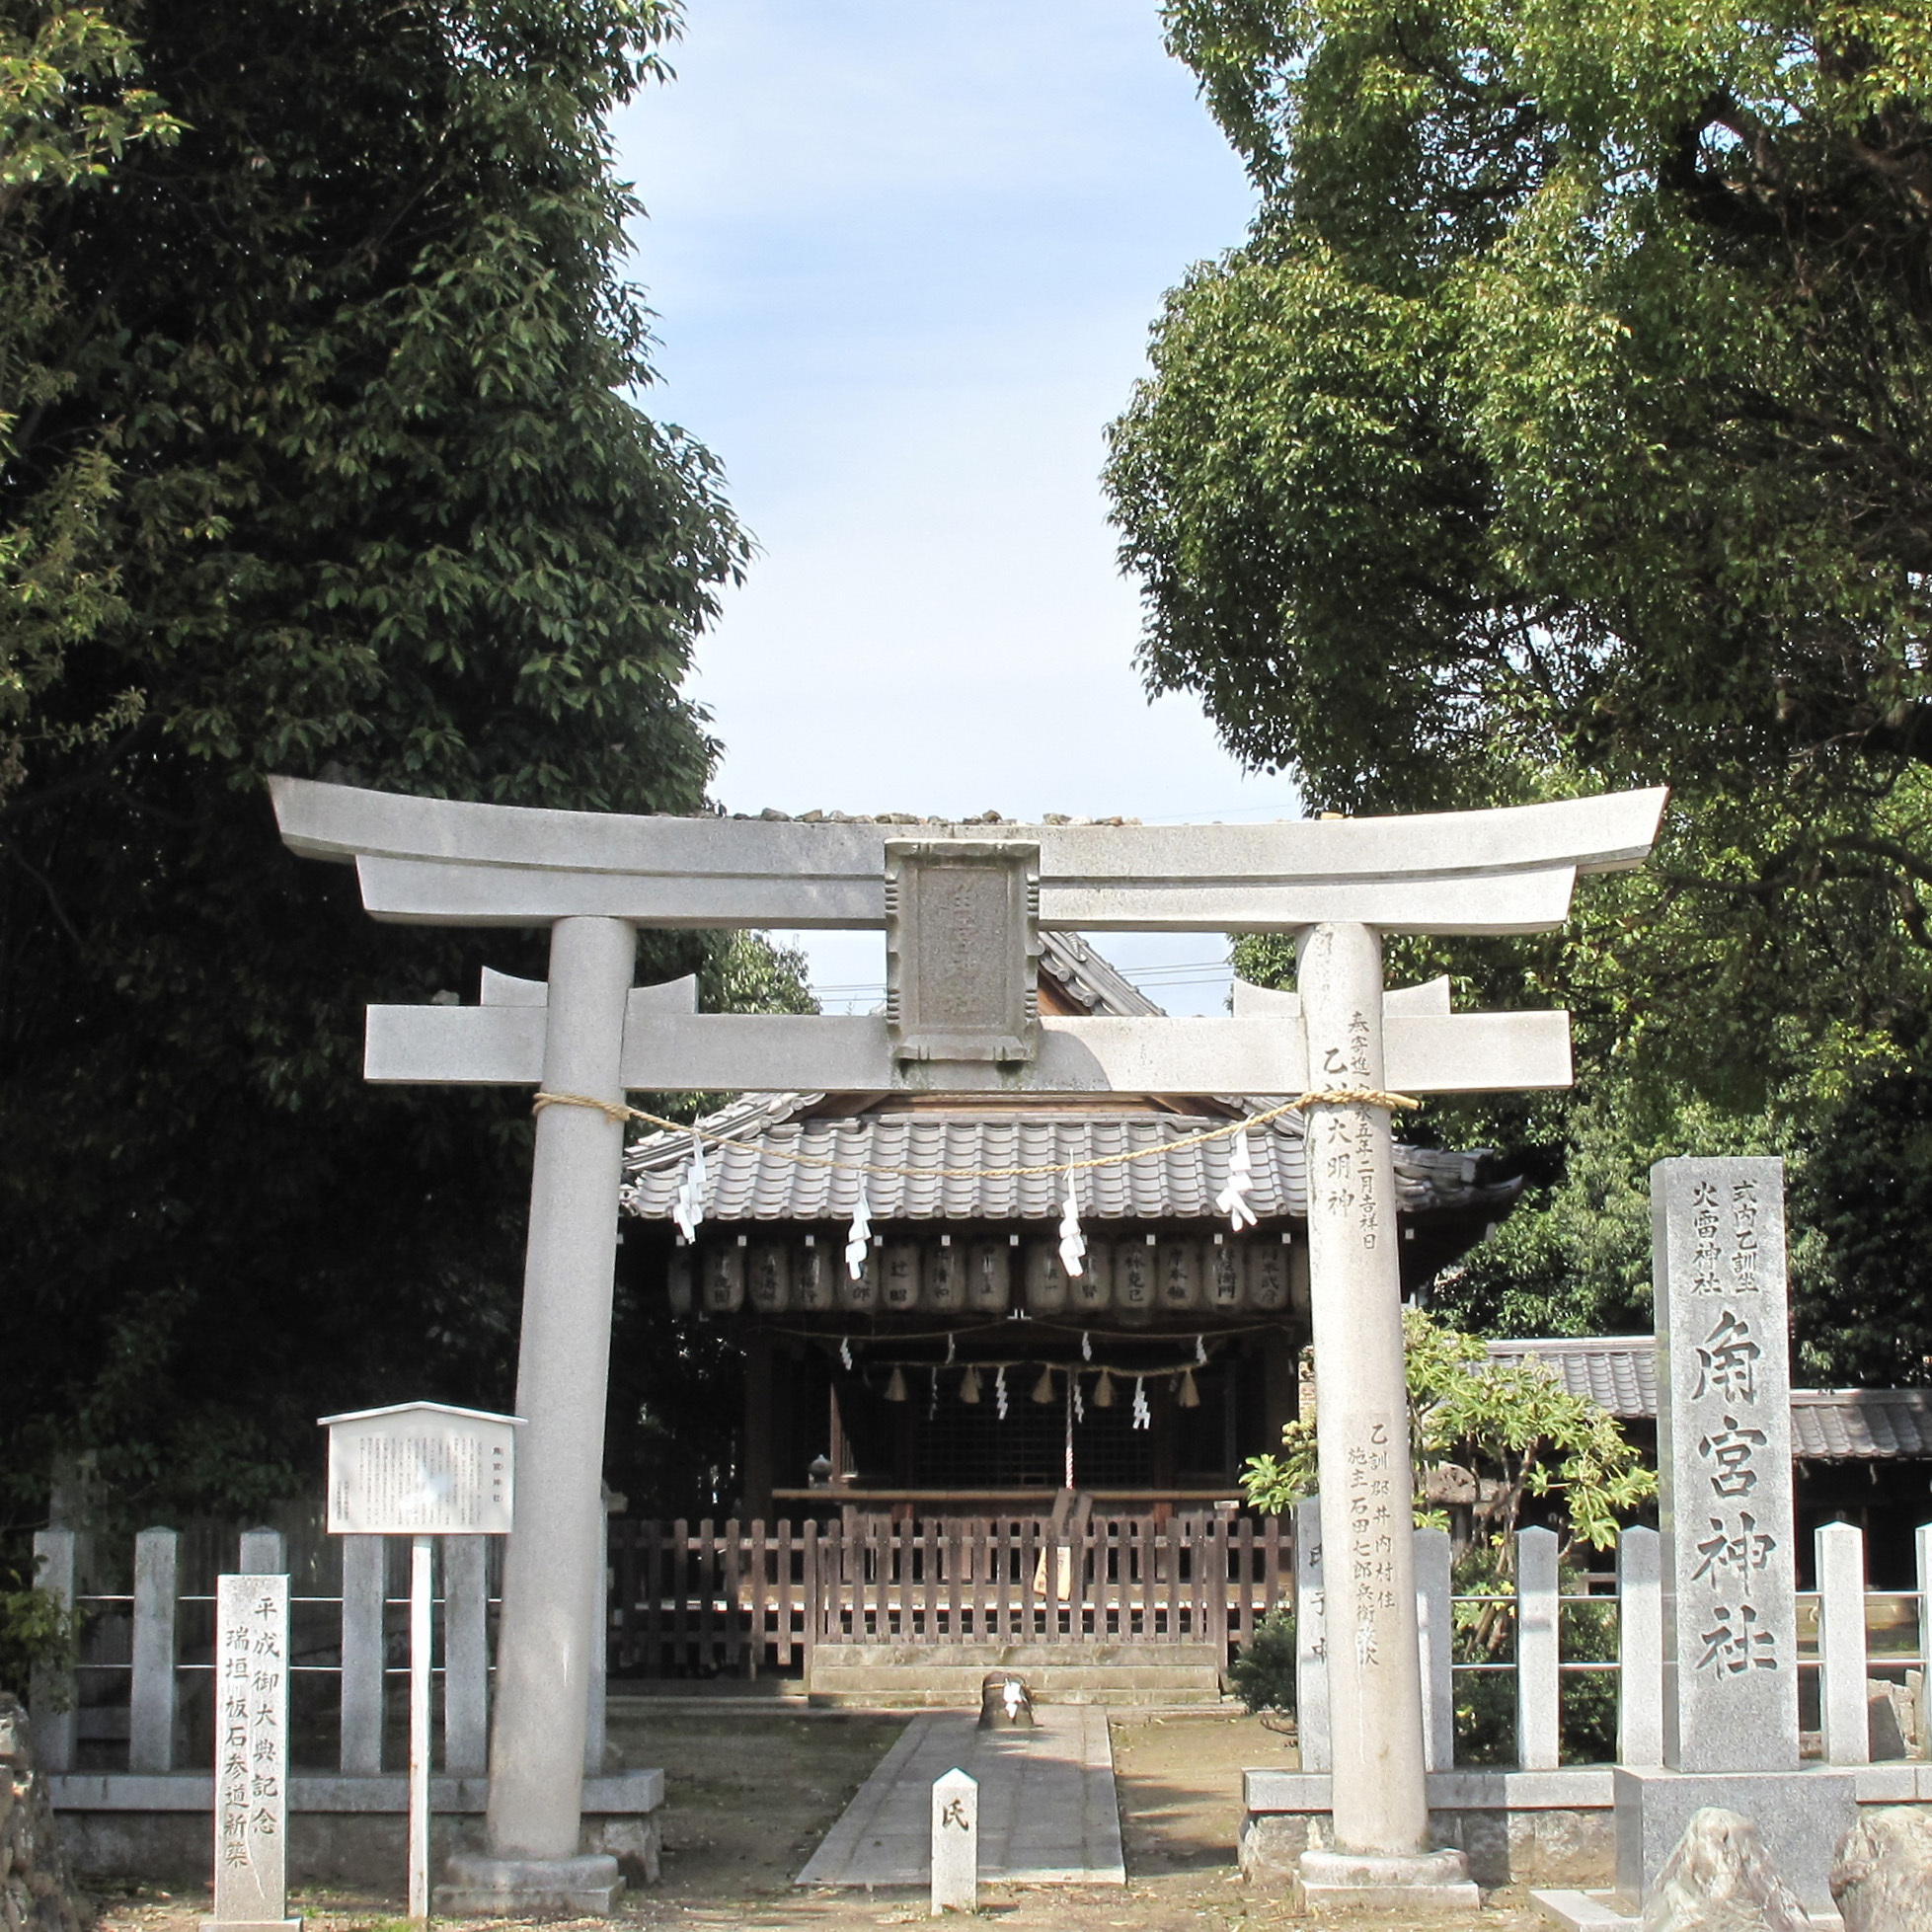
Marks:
<point>451,862</point>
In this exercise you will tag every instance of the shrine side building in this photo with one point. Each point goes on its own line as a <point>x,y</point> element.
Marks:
<point>962,1370</point>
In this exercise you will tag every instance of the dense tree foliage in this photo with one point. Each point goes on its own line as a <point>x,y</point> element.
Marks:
<point>1566,421</point>
<point>316,455</point>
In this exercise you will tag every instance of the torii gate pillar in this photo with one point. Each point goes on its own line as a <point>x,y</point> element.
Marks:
<point>1379,1797</point>
<point>962,1021</point>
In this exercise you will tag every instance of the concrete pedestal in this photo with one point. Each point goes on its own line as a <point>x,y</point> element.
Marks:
<point>1417,1884</point>
<point>480,1886</point>
<point>1800,1815</point>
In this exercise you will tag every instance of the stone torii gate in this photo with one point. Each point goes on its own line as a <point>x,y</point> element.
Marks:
<point>962,907</point>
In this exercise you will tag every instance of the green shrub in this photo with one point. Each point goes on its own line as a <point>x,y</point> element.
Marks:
<point>1262,1675</point>
<point>35,1631</point>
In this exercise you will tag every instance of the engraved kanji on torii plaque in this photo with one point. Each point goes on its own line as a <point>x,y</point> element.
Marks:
<point>963,913</point>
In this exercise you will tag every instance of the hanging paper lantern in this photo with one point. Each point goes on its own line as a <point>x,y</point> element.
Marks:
<point>970,1386</point>
<point>895,1387</point>
<point>723,1279</point>
<point>1042,1390</point>
<point>813,1289</point>
<point>1093,1292</point>
<point>1045,1278</point>
<point>1189,1397</point>
<point>946,1278</point>
<point>989,1270</point>
<point>1227,1275</point>
<point>900,1277</point>
<point>1267,1275</point>
<point>768,1279</point>
<point>1104,1391</point>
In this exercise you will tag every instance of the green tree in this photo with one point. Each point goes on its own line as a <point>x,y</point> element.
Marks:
<point>1563,422</point>
<point>1493,1436</point>
<point>323,362</point>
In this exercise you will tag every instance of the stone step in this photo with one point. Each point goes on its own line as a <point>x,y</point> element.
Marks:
<point>942,1700</point>
<point>948,1675</point>
<point>1020,1656</point>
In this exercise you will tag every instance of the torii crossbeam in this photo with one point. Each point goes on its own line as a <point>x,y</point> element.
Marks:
<point>962,906</point>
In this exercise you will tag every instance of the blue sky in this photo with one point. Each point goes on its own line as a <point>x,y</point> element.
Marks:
<point>904,254</point>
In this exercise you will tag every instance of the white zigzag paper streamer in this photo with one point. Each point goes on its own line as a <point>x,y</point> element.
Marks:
<point>1073,1244</point>
<point>858,1236</point>
<point>687,1210</point>
<point>1232,1201</point>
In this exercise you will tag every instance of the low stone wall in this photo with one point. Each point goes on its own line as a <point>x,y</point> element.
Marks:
<point>1543,1847</point>
<point>36,1892</point>
<point>342,1830</point>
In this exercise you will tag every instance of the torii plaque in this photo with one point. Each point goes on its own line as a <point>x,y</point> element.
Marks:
<point>964,1021</point>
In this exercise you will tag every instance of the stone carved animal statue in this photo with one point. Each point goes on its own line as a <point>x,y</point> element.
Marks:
<point>1720,1879</point>
<point>1881,1876</point>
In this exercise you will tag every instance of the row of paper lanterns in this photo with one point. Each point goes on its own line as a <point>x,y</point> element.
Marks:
<point>1142,1276</point>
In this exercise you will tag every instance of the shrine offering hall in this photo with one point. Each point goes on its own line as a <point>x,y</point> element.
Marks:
<point>963,1368</point>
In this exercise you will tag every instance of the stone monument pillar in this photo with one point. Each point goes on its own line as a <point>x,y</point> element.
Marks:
<point>1380,1801</point>
<point>1728,1551</point>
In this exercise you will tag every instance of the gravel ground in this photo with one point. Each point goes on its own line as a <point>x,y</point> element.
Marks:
<point>750,1796</point>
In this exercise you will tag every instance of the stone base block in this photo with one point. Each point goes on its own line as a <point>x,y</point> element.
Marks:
<point>1800,1815</point>
<point>480,1886</point>
<point>1423,1884</point>
<point>1566,1846</point>
<point>251,1925</point>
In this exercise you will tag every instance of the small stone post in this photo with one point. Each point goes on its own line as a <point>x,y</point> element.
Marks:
<point>1841,1550</point>
<point>465,1655</point>
<point>250,1756</point>
<point>1923,1549</point>
<point>53,1700</point>
<point>1310,1645</point>
<point>1640,1649</point>
<point>1380,1802</point>
<point>365,1584</point>
<point>1539,1730</point>
<point>1433,1614</point>
<point>956,1844</point>
<point>151,1700</point>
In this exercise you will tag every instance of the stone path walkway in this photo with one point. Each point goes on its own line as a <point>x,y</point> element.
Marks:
<point>1047,1812</point>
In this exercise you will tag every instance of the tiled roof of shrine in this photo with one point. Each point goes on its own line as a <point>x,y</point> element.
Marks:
<point>1616,1371</point>
<point>1827,1425</point>
<point>754,1180</point>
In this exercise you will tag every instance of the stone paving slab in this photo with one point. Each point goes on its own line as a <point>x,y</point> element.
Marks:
<point>1048,1810</point>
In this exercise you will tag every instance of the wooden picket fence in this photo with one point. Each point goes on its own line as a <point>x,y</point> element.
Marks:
<point>693,1600</point>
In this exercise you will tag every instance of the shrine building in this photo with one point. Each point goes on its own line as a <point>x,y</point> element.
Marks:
<point>963,1369</point>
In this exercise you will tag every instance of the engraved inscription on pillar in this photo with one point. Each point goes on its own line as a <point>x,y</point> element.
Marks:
<point>251,1710</point>
<point>1343,1151</point>
<point>1724,1443</point>
<point>962,949</point>
<point>1371,1539</point>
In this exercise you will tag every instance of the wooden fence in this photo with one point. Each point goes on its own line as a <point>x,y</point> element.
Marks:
<point>691,1600</point>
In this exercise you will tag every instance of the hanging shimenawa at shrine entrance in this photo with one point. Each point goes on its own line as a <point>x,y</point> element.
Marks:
<point>967,918</point>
